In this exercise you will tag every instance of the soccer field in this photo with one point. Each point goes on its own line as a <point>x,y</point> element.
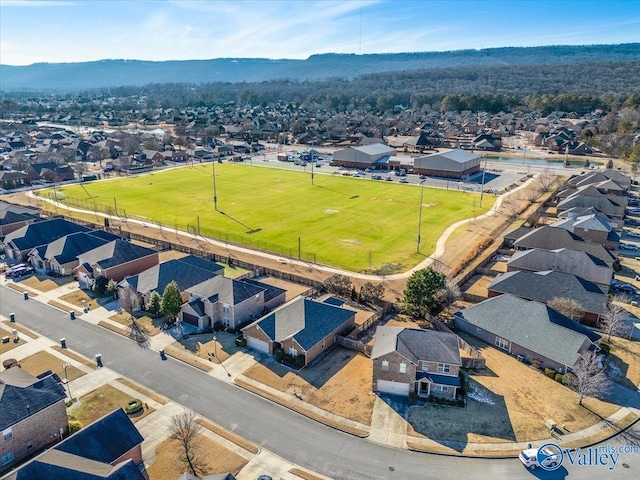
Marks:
<point>351,223</point>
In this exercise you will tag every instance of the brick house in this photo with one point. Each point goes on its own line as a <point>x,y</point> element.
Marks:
<point>13,217</point>
<point>110,448</point>
<point>528,330</point>
<point>33,414</point>
<point>412,360</point>
<point>300,327</point>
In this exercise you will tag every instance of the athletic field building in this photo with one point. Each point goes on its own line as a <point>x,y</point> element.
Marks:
<point>363,157</point>
<point>456,163</point>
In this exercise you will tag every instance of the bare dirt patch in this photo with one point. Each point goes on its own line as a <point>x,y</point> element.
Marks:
<point>168,463</point>
<point>42,361</point>
<point>340,383</point>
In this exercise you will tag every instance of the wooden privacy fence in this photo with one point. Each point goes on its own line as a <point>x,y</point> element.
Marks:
<point>352,344</point>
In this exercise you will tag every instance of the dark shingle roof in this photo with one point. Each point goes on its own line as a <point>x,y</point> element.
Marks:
<point>186,272</point>
<point>22,394</point>
<point>532,325</point>
<point>97,440</point>
<point>42,233</point>
<point>544,286</point>
<point>67,248</point>
<point>307,321</point>
<point>270,291</point>
<point>115,253</point>
<point>416,345</point>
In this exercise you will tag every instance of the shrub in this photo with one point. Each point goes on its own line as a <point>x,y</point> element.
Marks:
<point>299,361</point>
<point>605,348</point>
<point>567,378</point>
<point>559,377</point>
<point>550,372</point>
<point>535,363</point>
<point>413,397</point>
<point>74,426</point>
<point>134,406</point>
<point>100,285</point>
<point>10,362</point>
<point>218,326</point>
<point>279,354</point>
<point>241,342</point>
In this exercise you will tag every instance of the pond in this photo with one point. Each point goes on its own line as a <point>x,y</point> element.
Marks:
<point>556,161</point>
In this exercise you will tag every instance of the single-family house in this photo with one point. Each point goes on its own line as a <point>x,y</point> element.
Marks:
<point>528,330</point>
<point>10,179</point>
<point>33,414</point>
<point>114,260</point>
<point>20,242</point>
<point>108,449</point>
<point>412,360</point>
<point>574,262</point>
<point>301,327</point>
<point>13,217</point>
<point>595,227</point>
<point>547,285</point>
<point>231,302</point>
<point>186,272</point>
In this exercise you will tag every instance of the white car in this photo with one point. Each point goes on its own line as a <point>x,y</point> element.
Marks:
<point>529,458</point>
<point>632,233</point>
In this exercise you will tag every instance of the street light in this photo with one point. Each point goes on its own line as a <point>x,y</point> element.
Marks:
<point>483,173</point>
<point>66,365</point>
<point>420,215</point>
<point>215,195</point>
<point>215,340</point>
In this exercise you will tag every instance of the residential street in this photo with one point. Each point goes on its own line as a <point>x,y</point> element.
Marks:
<point>296,438</point>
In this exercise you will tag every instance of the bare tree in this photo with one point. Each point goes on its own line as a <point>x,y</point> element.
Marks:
<point>568,307</point>
<point>614,320</point>
<point>448,294</point>
<point>185,430</point>
<point>587,378</point>
<point>533,192</point>
<point>371,293</point>
<point>129,302</point>
<point>80,168</point>
<point>512,205</point>
<point>338,284</point>
<point>546,180</point>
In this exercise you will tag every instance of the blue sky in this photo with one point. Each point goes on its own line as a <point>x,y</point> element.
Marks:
<point>82,30</point>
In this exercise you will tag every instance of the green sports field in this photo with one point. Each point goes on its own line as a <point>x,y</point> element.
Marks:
<point>351,223</point>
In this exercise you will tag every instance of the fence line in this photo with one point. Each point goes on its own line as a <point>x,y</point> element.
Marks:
<point>353,345</point>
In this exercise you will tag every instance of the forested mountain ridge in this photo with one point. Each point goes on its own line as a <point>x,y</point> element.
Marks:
<point>115,73</point>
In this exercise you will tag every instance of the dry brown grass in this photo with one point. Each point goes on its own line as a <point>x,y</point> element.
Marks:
<point>20,288</point>
<point>64,307</point>
<point>298,472</point>
<point>5,347</point>
<point>148,325</point>
<point>340,383</point>
<point>144,391</point>
<point>102,401</point>
<point>302,410</point>
<point>478,285</point>
<point>181,354</point>
<point>206,348</point>
<point>78,358</point>
<point>114,328</point>
<point>44,285</point>
<point>625,355</point>
<point>42,361</point>
<point>232,437</point>
<point>21,329</point>
<point>523,400</point>
<point>78,296</point>
<point>168,464</point>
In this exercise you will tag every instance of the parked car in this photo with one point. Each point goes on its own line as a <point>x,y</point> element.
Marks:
<point>634,211</point>
<point>632,233</point>
<point>19,272</point>
<point>631,221</point>
<point>627,246</point>
<point>625,288</point>
<point>423,177</point>
<point>404,180</point>
<point>389,179</point>
<point>530,457</point>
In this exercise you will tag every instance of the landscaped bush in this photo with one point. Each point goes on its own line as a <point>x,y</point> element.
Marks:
<point>413,397</point>
<point>100,285</point>
<point>241,342</point>
<point>279,354</point>
<point>550,372</point>
<point>134,406</point>
<point>445,401</point>
<point>299,361</point>
<point>9,362</point>
<point>605,348</point>
<point>559,377</point>
<point>218,326</point>
<point>74,426</point>
<point>567,378</point>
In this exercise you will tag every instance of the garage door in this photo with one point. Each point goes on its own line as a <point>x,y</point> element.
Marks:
<point>258,344</point>
<point>397,388</point>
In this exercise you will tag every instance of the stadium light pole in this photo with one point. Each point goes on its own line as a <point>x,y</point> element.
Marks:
<point>420,215</point>
<point>215,193</point>
<point>482,186</point>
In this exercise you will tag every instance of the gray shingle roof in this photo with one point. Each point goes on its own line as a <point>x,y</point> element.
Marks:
<point>67,248</point>
<point>42,233</point>
<point>22,394</point>
<point>270,290</point>
<point>564,260</point>
<point>227,290</point>
<point>116,252</point>
<point>532,325</point>
<point>307,321</point>
<point>416,345</point>
<point>544,286</point>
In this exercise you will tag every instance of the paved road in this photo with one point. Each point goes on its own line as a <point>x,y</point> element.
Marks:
<point>277,429</point>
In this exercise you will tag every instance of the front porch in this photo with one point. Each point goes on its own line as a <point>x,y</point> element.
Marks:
<point>443,386</point>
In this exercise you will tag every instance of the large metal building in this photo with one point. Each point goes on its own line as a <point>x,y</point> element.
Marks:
<point>448,163</point>
<point>362,157</point>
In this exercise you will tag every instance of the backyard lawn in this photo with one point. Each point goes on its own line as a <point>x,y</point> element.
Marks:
<point>337,219</point>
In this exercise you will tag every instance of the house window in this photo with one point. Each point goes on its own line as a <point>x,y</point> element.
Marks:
<point>7,458</point>
<point>440,388</point>
<point>7,434</point>
<point>502,343</point>
<point>225,308</point>
<point>403,368</point>
<point>443,368</point>
<point>385,365</point>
